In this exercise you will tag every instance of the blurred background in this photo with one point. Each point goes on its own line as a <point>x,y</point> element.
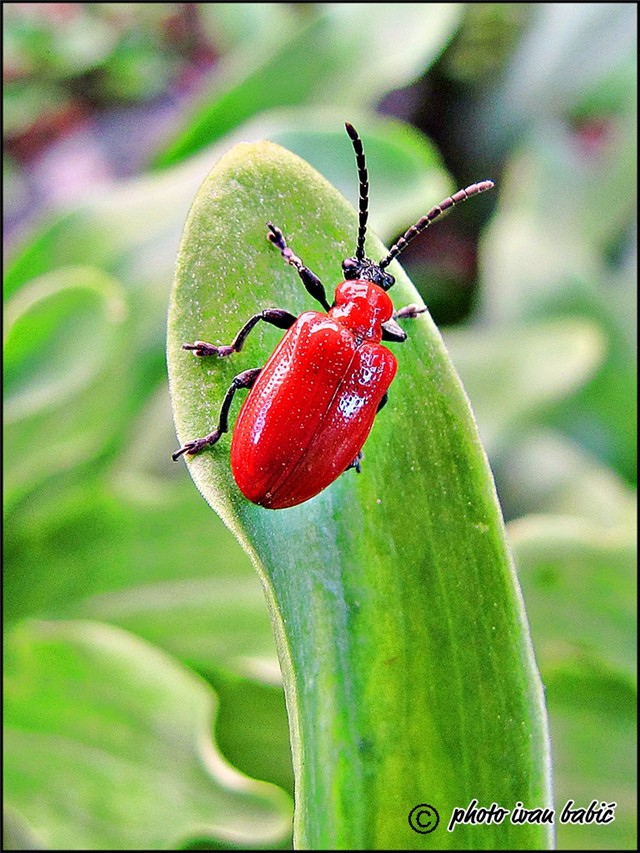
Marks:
<point>140,669</point>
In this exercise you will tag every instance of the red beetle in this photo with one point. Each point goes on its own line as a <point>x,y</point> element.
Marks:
<point>312,406</point>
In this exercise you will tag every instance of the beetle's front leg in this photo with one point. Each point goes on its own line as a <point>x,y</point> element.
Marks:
<point>409,312</point>
<point>246,379</point>
<point>391,331</point>
<point>312,283</point>
<point>274,316</point>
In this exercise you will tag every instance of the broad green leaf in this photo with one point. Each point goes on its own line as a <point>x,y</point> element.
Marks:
<point>108,746</point>
<point>116,556</point>
<point>579,579</point>
<point>593,719</point>
<point>543,472</point>
<point>581,589</point>
<point>534,268</point>
<point>403,643</point>
<point>351,54</point>
<point>63,369</point>
<point>252,729</point>
<point>514,375</point>
<point>78,552</point>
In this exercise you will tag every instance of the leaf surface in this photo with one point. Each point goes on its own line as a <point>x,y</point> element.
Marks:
<point>401,632</point>
<point>101,727</point>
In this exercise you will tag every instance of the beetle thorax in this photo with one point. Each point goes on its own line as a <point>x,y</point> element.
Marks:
<point>362,307</point>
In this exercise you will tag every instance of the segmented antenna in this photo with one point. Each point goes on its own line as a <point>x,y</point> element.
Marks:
<point>434,213</point>
<point>363,188</point>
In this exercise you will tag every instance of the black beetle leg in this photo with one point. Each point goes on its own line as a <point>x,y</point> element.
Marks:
<point>310,280</point>
<point>246,379</point>
<point>391,331</point>
<point>274,316</point>
<point>356,463</point>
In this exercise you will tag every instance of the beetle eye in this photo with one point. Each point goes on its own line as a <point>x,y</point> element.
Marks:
<point>351,267</point>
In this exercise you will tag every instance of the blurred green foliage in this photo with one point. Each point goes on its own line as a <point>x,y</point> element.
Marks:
<point>107,540</point>
<point>105,53</point>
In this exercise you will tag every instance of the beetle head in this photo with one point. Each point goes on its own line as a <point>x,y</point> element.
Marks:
<point>367,269</point>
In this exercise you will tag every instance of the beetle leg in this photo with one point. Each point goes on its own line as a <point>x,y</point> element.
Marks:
<point>356,463</point>
<point>275,316</point>
<point>409,312</point>
<point>391,331</point>
<point>310,280</point>
<point>246,379</point>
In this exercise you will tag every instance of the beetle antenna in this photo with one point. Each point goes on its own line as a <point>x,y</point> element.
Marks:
<point>434,213</point>
<point>363,189</point>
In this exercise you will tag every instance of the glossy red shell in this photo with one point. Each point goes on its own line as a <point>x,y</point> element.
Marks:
<point>314,402</point>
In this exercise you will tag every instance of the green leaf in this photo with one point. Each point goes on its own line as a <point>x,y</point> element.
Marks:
<point>513,375</point>
<point>245,28</point>
<point>579,260</point>
<point>359,51</point>
<point>581,588</point>
<point>579,579</point>
<point>403,643</point>
<point>63,368</point>
<point>570,59</point>
<point>79,552</point>
<point>544,472</point>
<point>593,716</point>
<point>202,620</point>
<point>252,728</point>
<point>108,747</point>
<point>43,367</point>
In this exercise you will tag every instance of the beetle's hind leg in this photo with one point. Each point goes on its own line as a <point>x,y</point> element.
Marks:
<point>310,280</point>
<point>274,316</point>
<point>246,380</point>
<point>356,463</point>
